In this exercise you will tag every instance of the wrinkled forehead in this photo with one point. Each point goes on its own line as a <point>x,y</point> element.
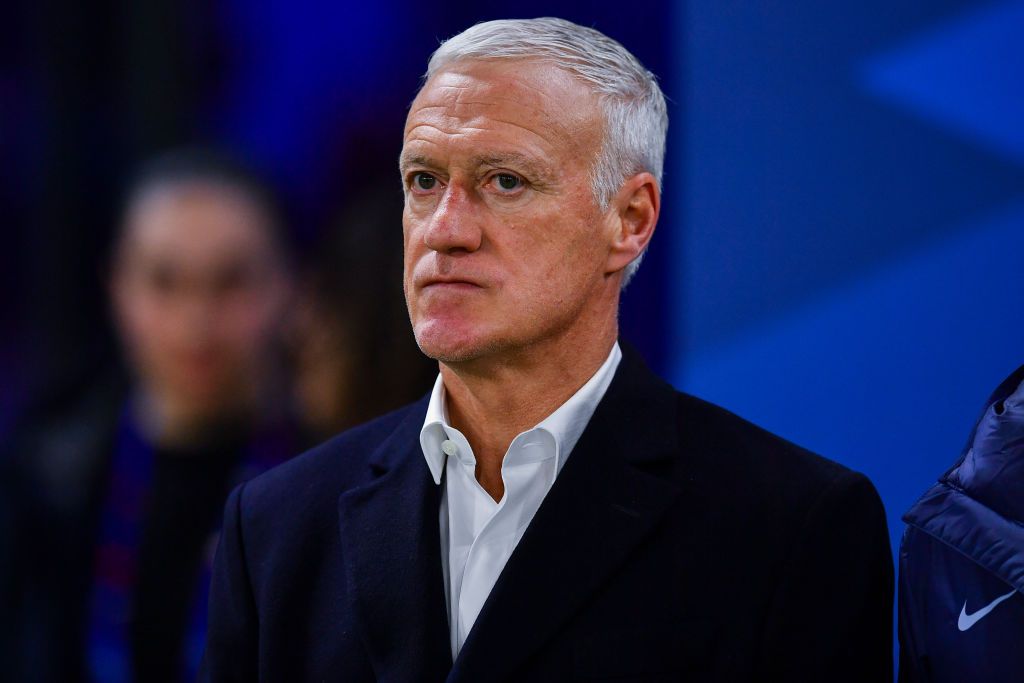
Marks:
<point>535,96</point>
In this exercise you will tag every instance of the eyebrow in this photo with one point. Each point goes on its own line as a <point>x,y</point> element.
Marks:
<point>527,163</point>
<point>407,160</point>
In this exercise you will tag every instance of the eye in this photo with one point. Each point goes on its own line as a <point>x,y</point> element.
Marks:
<point>423,181</point>
<point>163,278</point>
<point>508,182</point>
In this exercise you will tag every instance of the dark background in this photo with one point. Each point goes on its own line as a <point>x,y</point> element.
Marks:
<point>839,257</point>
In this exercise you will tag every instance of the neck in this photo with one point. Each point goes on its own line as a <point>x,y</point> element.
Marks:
<point>168,421</point>
<point>493,400</point>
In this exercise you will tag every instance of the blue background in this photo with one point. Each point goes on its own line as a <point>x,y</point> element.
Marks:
<point>848,262</point>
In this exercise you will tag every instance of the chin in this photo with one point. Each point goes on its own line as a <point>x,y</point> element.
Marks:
<point>448,344</point>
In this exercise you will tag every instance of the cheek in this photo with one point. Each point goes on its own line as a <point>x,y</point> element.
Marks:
<point>248,319</point>
<point>151,336</point>
<point>413,224</point>
<point>554,249</point>
<point>147,321</point>
<point>413,251</point>
<point>410,256</point>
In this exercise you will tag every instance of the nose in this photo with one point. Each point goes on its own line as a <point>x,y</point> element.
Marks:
<point>454,226</point>
<point>199,316</point>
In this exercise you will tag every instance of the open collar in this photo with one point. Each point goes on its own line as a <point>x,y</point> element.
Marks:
<point>564,425</point>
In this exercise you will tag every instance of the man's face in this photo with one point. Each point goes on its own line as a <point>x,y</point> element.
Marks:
<point>505,245</point>
<point>198,293</point>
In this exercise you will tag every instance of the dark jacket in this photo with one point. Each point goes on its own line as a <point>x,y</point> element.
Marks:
<point>55,478</point>
<point>52,482</point>
<point>679,541</point>
<point>961,612</point>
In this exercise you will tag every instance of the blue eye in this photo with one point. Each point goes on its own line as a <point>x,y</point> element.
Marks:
<point>424,181</point>
<point>507,181</point>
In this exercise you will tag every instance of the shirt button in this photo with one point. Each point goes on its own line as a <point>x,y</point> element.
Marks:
<point>449,447</point>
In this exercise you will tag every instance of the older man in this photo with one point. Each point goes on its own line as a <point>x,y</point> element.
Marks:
<point>552,510</point>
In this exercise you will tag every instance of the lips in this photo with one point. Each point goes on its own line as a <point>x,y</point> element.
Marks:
<point>448,281</point>
<point>448,289</point>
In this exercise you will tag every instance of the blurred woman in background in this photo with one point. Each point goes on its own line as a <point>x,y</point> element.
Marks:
<point>116,490</point>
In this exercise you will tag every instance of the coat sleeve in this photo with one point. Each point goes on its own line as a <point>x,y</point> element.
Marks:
<point>10,561</point>
<point>831,618</point>
<point>913,663</point>
<point>232,634</point>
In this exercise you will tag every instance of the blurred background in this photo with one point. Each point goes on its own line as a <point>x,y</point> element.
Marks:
<point>839,257</point>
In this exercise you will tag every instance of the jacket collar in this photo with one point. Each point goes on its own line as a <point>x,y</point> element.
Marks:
<point>564,426</point>
<point>991,469</point>
<point>607,499</point>
<point>391,543</point>
<point>976,507</point>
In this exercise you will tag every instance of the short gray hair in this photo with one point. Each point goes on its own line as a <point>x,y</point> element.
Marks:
<point>635,115</point>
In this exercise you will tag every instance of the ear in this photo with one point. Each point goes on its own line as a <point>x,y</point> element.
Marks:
<point>634,215</point>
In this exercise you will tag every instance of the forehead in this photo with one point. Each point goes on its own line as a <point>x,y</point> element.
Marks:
<point>505,107</point>
<point>196,224</point>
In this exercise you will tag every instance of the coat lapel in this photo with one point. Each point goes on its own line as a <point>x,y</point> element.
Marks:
<point>603,504</point>
<point>391,543</point>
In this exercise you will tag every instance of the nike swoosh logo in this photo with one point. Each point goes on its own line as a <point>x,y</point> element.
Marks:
<point>968,620</point>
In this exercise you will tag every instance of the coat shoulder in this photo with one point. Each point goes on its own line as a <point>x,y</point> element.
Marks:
<point>760,469</point>
<point>320,475</point>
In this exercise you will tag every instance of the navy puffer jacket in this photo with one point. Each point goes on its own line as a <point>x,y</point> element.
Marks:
<point>961,588</point>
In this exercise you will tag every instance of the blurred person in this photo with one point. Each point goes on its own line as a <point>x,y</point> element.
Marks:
<point>551,510</point>
<point>353,355</point>
<point>119,491</point>
<point>961,585</point>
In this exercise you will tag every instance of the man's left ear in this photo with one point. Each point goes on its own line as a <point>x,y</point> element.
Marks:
<point>634,214</point>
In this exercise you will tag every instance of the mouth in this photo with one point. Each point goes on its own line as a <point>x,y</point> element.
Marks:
<point>449,284</point>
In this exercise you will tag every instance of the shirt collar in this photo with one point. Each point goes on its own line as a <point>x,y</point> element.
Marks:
<point>434,431</point>
<point>565,424</point>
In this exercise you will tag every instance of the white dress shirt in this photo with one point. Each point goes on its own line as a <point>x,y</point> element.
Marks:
<point>478,534</point>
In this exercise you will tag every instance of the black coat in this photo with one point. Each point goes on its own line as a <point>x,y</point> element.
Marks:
<point>679,542</point>
<point>52,482</point>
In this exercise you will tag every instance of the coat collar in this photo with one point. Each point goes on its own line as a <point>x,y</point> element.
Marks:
<point>390,538</point>
<point>607,499</point>
<point>563,427</point>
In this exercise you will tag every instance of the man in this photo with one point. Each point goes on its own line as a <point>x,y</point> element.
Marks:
<point>961,611</point>
<point>552,510</point>
<point>118,488</point>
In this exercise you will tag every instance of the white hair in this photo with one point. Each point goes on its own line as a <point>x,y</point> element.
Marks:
<point>635,115</point>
